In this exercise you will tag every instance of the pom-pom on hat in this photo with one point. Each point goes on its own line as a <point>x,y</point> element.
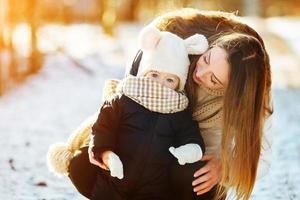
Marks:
<point>166,52</point>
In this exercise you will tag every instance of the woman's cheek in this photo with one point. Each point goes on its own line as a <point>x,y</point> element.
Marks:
<point>196,77</point>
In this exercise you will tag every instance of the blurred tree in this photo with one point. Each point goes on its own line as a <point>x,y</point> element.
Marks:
<point>128,10</point>
<point>3,5</point>
<point>148,9</point>
<point>231,5</point>
<point>108,15</point>
<point>252,7</point>
<point>35,56</point>
<point>10,24</point>
<point>280,8</point>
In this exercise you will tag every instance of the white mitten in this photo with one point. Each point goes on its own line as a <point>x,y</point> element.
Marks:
<point>188,153</point>
<point>115,166</point>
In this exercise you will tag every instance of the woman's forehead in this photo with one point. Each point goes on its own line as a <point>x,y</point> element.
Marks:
<point>219,63</point>
<point>218,54</point>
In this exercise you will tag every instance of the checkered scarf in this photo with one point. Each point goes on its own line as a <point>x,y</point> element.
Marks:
<point>152,95</point>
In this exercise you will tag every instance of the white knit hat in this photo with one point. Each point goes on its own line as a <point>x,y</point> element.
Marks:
<point>166,52</point>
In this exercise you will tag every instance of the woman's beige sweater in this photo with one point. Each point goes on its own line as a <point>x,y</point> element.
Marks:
<point>208,113</point>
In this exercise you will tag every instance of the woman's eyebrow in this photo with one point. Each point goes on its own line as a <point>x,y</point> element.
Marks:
<point>209,57</point>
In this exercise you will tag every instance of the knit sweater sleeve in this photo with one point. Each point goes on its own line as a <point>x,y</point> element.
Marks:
<point>105,128</point>
<point>188,131</point>
<point>212,137</point>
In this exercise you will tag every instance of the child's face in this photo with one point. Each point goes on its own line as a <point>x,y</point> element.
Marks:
<point>166,79</point>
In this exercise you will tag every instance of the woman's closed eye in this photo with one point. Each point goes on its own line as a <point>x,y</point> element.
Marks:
<point>212,80</point>
<point>205,59</point>
<point>215,80</point>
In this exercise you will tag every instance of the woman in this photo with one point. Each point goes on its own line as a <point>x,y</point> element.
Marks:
<point>230,105</point>
<point>245,104</point>
<point>238,84</point>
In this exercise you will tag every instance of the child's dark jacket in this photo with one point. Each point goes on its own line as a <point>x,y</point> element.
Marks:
<point>141,138</point>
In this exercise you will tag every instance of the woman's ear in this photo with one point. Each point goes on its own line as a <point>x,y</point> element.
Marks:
<point>196,44</point>
<point>148,38</point>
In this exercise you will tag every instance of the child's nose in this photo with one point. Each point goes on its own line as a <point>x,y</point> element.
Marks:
<point>162,81</point>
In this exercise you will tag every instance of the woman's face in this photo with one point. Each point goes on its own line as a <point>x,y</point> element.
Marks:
<point>212,69</point>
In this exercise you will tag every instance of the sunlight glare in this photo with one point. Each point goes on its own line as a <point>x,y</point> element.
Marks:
<point>21,39</point>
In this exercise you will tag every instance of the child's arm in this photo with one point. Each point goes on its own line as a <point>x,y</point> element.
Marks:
<point>189,143</point>
<point>103,139</point>
<point>105,129</point>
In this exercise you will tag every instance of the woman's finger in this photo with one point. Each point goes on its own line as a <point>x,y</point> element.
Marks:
<point>202,170</point>
<point>201,179</point>
<point>207,176</point>
<point>206,186</point>
<point>202,186</point>
<point>204,191</point>
<point>207,157</point>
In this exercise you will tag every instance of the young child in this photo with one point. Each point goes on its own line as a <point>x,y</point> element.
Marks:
<point>142,128</point>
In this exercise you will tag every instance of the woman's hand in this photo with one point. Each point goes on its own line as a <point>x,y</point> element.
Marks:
<point>94,161</point>
<point>207,176</point>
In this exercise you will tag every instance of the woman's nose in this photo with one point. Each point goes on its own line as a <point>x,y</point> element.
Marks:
<point>201,70</point>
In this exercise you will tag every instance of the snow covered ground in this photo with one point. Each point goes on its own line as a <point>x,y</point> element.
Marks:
<point>49,105</point>
<point>42,111</point>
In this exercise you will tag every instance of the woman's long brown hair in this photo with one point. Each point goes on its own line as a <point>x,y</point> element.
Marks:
<point>243,112</point>
<point>247,98</point>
